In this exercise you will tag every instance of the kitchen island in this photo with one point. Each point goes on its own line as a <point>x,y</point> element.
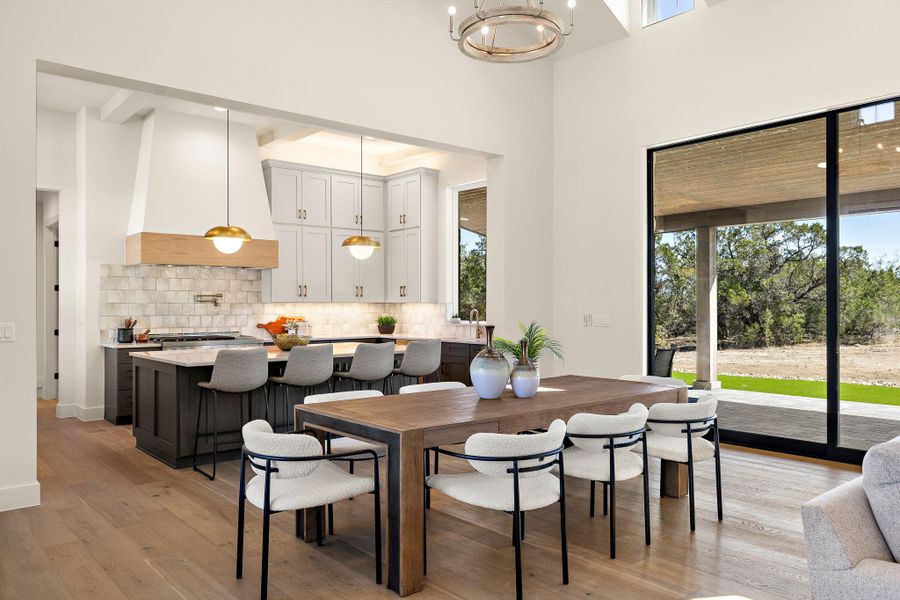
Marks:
<point>166,401</point>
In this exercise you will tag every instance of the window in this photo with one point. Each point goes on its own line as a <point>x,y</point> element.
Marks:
<point>659,10</point>
<point>877,113</point>
<point>472,252</point>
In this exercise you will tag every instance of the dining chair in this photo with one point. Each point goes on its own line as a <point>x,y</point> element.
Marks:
<point>307,368</point>
<point>346,444</point>
<point>601,451</point>
<point>512,474</point>
<point>420,359</point>
<point>370,363</point>
<point>234,372</point>
<point>676,434</point>
<point>292,473</point>
<point>431,387</point>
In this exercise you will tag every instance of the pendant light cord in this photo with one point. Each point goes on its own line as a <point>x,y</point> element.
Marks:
<point>360,184</point>
<point>228,167</point>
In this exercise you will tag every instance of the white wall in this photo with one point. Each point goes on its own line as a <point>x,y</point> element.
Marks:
<point>389,67</point>
<point>720,67</point>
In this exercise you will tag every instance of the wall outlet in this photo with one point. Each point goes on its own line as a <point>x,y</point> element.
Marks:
<point>7,332</point>
<point>596,320</point>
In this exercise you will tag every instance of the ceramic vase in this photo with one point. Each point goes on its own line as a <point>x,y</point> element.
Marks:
<point>489,369</point>
<point>525,377</point>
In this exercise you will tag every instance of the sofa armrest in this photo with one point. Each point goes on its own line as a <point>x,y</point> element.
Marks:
<point>840,529</point>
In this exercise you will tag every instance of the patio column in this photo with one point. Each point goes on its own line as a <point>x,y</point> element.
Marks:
<point>707,310</point>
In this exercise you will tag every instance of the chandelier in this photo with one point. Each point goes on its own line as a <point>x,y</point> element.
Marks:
<point>511,33</point>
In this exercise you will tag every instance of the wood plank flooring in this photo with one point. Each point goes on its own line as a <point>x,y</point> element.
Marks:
<point>115,523</point>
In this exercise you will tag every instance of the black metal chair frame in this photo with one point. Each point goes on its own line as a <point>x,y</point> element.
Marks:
<point>215,432</point>
<point>308,390</point>
<point>632,438</point>
<point>517,513</point>
<point>248,455</point>
<point>350,464</point>
<point>703,426</point>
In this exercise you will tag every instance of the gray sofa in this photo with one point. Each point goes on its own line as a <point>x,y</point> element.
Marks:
<point>853,532</point>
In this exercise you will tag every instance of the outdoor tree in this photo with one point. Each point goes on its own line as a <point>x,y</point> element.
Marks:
<point>473,278</point>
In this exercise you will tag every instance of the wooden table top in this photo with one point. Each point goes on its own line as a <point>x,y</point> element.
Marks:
<point>558,397</point>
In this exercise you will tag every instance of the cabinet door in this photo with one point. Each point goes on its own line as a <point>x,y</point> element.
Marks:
<point>412,194</point>
<point>396,190</point>
<point>412,241</point>
<point>373,205</point>
<point>370,272</point>
<point>396,267</point>
<point>315,258</point>
<point>284,190</point>
<point>345,202</point>
<point>315,198</point>
<point>286,278</point>
<point>344,284</point>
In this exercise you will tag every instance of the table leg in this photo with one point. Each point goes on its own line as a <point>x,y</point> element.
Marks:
<point>673,479</point>
<point>306,526</point>
<point>406,508</point>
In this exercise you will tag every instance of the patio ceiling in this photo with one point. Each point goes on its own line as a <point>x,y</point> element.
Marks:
<point>473,210</point>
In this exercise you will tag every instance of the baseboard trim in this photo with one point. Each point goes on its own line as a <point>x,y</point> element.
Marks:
<point>20,496</point>
<point>65,411</point>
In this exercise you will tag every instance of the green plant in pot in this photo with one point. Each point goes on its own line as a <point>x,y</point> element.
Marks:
<point>525,377</point>
<point>386,324</point>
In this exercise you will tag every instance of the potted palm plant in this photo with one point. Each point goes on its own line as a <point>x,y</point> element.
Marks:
<point>386,324</point>
<point>525,377</point>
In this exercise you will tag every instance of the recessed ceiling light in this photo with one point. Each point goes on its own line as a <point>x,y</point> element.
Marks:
<point>880,146</point>
<point>220,109</point>
<point>463,219</point>
<point>369,137</point>
<point>822,165</point>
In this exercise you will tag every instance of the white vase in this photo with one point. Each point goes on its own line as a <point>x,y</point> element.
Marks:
<point>489,370</point>
<point>525,377</point>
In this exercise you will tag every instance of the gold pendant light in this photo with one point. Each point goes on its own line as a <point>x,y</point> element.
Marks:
<point>227,238</point>
<point>361,246</point>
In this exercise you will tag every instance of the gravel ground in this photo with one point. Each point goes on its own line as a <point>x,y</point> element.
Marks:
<point>875,364</point>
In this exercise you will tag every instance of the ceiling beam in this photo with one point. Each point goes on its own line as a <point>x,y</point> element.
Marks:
<point>293,133</point>
<point>123,105</point>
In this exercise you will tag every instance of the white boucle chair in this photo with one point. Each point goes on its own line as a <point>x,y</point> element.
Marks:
<point>291,473</point>
<point>431,387</point>
<point>345,444</point>
<point>590,457</point>
<point>513,474</point>
<point>676,434</point>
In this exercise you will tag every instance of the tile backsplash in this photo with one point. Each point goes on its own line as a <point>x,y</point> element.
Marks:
<point>162,299</point>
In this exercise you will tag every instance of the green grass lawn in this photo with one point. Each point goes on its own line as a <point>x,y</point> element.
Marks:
<point>852,392</point>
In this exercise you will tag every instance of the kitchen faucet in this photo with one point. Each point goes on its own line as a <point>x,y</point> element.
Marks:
<point>474,322</point>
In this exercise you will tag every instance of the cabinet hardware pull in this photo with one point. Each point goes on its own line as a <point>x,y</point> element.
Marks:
<point>304,214</point>
<point>356,219</point>
<point>362,291</point>
<point>299,214</point>
<point>305,291</point>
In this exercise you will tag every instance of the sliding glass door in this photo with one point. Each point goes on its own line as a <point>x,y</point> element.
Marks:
<point>775,272</point>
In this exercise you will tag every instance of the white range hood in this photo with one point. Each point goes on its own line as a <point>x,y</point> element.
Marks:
<point>179,193</point>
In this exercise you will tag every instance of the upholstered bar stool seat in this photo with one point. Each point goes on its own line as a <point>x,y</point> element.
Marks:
<point>307,368</point>
<point>371,363</point>
<point>421,359</point>
<point>235,371</point>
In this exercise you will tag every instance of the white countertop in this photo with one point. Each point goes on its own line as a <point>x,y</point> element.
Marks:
<point>136,345</point>
<point>205,357</point>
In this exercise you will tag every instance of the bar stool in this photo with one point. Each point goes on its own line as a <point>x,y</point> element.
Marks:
<point>234,372</point>
<point>307,367</point>
<point>371,363</point>
<point>421,359</point>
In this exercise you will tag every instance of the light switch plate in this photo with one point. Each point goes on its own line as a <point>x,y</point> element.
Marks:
<point>7,332</point>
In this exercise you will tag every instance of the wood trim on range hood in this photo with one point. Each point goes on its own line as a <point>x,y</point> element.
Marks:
<point>147,248</point>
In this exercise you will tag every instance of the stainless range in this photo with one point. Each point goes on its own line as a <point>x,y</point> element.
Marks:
<point>171,341</point>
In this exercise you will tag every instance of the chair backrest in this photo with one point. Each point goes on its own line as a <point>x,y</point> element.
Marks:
<point>662,362</point>
<point>240,370</point>
<point>334,396</point>
<point>682,411</point>
<point>671,382</point>
<point>421,358</point>
<point>593,424</point>
<point>372,361</point>
<point>511,445</point>
<point>432,387</point>
<point>309,365</point>
<point>258,437</point>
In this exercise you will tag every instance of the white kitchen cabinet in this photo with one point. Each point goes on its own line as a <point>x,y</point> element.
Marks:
<point>304,266</point>
<point>298,196</point>
<point>405,266</point>
<point>355,280</point>
<point>345,203</point>
<point>405,194</point>
<point>315,198</point>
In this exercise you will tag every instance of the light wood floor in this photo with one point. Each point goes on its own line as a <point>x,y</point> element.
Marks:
<point>115,523</point>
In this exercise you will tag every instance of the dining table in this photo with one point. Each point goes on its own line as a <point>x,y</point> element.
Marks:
<point>408,424</point>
